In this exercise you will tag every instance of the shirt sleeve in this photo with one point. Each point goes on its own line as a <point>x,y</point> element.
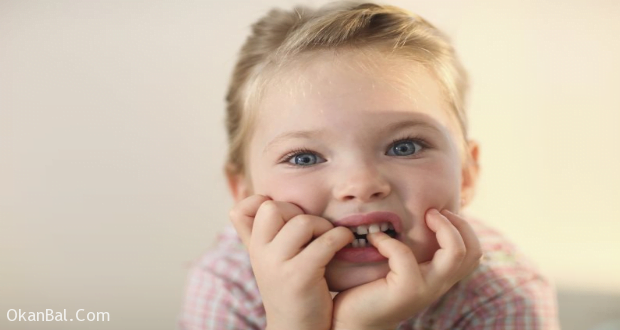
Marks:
<point>529,306</point>
<point>221,294</point>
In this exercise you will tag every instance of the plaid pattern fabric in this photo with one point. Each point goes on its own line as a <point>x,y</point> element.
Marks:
<point>506,292</point>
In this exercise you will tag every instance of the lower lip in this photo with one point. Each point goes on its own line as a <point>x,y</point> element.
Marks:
<point>365,254</point>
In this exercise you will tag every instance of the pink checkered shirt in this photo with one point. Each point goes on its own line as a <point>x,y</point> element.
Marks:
<point>505,292</point>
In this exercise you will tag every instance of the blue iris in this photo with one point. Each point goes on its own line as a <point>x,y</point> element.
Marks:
<point>305,159</point>
<point>404,148</point>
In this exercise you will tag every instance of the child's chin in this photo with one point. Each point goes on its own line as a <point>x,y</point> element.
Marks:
<point>344,278</point>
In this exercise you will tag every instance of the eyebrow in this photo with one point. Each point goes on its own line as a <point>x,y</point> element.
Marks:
<point>410,123</point>
<point>293,135</point>
<point>309,134</point>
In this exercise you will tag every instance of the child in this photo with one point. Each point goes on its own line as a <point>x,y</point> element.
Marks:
<point>349,163</point>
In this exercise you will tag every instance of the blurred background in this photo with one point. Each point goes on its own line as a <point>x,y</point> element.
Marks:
<point>112,144</point>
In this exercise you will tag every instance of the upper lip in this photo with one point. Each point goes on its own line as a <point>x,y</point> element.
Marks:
<point>370,218</point>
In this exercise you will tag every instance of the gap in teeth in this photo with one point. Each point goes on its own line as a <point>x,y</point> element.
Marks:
<point>365,230</point>
<point>373,228</point>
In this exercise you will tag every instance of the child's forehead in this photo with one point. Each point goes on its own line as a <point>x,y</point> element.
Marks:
<point>385,66</point>
<point>346,80</point>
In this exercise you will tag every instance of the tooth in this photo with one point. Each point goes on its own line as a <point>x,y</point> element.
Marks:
<point>355,243</point>
<point>385,226</point>
<point>363,242</point>
<point>390,225</point>
<point>352,229</point>
<point>362,230</point>
<point>374,228</point>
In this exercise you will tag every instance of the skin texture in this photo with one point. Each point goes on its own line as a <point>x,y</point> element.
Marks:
<point>353,115</point>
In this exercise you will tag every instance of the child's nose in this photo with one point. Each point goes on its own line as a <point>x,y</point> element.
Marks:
<point>364,182</point>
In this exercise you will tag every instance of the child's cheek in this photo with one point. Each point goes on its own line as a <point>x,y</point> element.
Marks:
<point>296,190</point>
<point>450,189</point>
<point>436,186</point>
<point>442,194</point>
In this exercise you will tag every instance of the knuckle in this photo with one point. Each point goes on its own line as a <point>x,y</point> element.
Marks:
<point>418,292</point>
<point>234,214</point>
<point>302,222</point>
<point>402,249</point>
<point>459,252</point>
<point>477,262</point>
<point>478,255</point>
<point>269,207</point>
<point>330,241</point>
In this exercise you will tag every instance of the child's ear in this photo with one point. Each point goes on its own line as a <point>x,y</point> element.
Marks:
<point>470,173</point>
<point>237,184</point>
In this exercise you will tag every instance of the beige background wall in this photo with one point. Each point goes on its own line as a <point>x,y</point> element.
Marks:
<point>112,140</point>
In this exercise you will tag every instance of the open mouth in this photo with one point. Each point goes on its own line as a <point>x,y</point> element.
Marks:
<point>362,231</point>
<point>362,224</point>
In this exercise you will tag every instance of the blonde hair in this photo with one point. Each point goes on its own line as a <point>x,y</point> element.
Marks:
<point>281,35</point>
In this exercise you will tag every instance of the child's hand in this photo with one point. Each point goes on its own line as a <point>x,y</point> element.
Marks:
<point>288,265</point>
<point>410,287</point>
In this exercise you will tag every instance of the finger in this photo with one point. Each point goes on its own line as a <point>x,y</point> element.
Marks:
<point>298,232</point>
<point>451,246</point>
<point>242,216</point>
<point>270,218</point>
<point>322,250</point>
<point>401,259</point>
<point>472,243</point>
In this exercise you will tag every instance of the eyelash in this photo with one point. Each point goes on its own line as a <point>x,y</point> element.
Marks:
<point>416,139</point>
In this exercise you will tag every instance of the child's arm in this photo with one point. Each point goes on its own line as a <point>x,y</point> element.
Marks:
<point>288,265</point>
<point>410,287</point>
<point>530,306</point>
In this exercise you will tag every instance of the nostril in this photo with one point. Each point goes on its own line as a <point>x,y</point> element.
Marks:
<point>377,195</point>
<point>364,189</point>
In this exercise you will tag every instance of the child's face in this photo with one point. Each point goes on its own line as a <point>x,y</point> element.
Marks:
<point>338,140</point>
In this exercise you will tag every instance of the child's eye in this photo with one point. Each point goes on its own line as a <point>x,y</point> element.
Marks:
<point>303,158</point>
<point>405,147</point>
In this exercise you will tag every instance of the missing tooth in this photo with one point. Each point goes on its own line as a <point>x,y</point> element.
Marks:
<point>389,232</point>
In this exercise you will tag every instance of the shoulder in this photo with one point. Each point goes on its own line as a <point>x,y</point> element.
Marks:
<point>221,290</point>
<point>503,266</point>
<point>506,291</point>
<point>509,287</point>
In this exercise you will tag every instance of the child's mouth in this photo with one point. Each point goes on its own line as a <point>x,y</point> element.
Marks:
<point>360,250</point>
<point>362,231</point>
